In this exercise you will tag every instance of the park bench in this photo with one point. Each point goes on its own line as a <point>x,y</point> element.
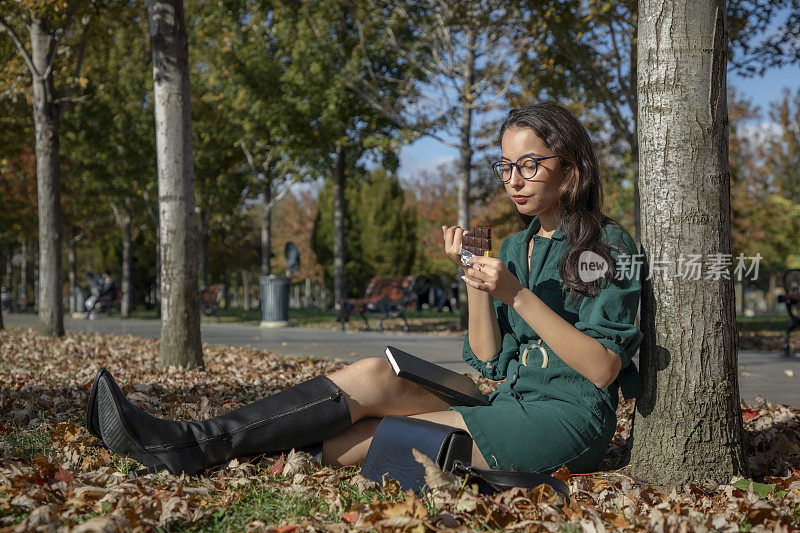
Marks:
<point>389,296</point>
<point>790,297</point>
<point>211,298</point>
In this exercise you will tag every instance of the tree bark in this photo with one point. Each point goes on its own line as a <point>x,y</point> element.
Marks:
<point>634,143</point>
<point>266,226</point>
<point>465,161</point>
<point>158,267</point>
<point>180,310</point>
<point>339,210</point>
<point>688,424</point>
<point>48,182</point>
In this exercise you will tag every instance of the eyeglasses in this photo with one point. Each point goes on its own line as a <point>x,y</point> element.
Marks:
<point>527,167</point>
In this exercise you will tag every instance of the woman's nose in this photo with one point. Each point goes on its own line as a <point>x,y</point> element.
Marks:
<point>516,180</point>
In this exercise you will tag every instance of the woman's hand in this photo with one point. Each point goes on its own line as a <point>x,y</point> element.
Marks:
<point>491,275</point>
<point>452,242</point>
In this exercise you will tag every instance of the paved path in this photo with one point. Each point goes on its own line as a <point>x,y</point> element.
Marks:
<point>760,373</point>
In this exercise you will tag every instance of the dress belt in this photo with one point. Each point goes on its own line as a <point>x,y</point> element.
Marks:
<point>534,345</point>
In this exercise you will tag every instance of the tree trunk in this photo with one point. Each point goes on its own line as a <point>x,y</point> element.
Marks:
<point>339,210</point>
<point>48,184</point>
<point>465,162</point>
<point>123,218</point>
<point>126,283</point>
<point>634,143</point>
<point>688,424</point>
<point>158,267</point>
<point>23,275</point>
<point>266,226</point>
<point>202,249</point>
<point>180,310</point>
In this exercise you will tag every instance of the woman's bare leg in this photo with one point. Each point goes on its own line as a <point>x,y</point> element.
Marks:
<point>372,390</point>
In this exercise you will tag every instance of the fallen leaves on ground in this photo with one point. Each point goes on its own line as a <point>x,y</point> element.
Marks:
<point>54,476</point>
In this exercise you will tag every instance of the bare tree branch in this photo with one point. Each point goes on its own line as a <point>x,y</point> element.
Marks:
<point>58,34</point>
<point>123,218</point>
<point>21,47</point>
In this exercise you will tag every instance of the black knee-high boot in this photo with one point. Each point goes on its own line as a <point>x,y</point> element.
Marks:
<point>304,414</point>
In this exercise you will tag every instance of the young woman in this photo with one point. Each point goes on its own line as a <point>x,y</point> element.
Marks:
<point>561,337</point>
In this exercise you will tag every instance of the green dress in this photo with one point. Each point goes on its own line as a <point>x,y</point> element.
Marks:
<point>545,414</point>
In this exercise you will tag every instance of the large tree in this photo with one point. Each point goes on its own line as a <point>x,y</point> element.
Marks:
<point>321,45</point>
<point>688,424</point>
<point>180,311</point>
<point>47,25</point>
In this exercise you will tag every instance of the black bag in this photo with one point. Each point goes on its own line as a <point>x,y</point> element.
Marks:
<point>450,448</point>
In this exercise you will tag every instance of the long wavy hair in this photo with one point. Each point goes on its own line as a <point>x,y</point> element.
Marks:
<point>580,197</point>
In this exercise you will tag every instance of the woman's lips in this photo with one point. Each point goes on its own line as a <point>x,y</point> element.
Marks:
<point>520,199</point>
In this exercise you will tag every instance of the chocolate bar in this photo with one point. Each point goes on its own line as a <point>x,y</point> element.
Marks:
<point>477,242</point>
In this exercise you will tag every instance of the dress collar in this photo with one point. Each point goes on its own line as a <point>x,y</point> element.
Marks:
<point>535,225</point>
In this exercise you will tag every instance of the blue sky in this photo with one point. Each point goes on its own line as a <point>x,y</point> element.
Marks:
<point>761,91</point>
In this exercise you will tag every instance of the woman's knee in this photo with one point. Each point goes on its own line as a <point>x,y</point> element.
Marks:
<point>374,368</point>
<point>366,384</point>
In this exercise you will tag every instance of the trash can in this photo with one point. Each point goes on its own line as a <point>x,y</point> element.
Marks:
<point>274,301</point>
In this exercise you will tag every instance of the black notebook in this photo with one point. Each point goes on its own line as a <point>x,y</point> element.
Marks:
<point>456,388</point>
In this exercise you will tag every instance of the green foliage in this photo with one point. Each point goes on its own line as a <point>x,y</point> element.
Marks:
<point>761,489</point>
<point>381,230</point>
<point>765,206</point>
<point>388,236</point>
<point>108,147</point>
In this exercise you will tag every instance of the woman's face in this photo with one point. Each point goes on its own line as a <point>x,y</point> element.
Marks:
<point>538,195</point>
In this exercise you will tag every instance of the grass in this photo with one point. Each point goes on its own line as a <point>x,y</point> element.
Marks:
<point>27,443</point>
<point>268,504</point>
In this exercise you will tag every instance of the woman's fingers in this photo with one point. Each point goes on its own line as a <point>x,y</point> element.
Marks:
<point>452,241</point>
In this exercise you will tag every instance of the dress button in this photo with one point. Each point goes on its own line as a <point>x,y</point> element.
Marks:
<point>488,365</point>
